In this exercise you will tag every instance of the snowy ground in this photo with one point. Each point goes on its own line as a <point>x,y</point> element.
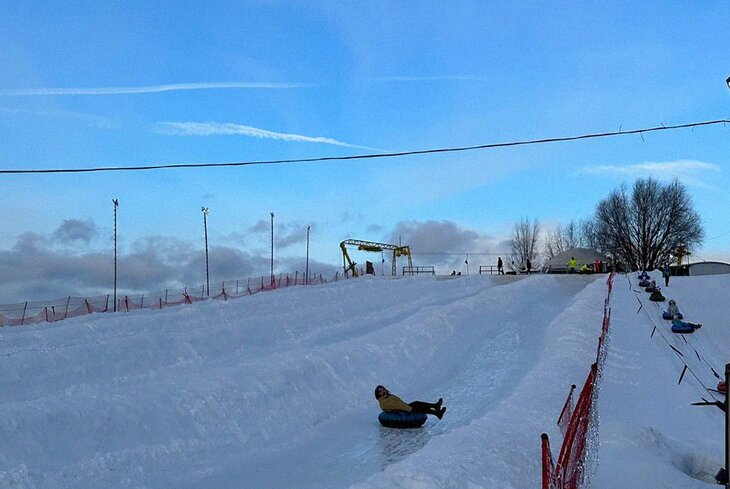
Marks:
<point>276,390</point>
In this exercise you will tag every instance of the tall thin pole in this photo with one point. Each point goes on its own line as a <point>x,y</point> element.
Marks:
<point>116,204</point>
<point>272,248</point>
<point>205,230</point>
<point>306,273</point>
<point>727,418</point>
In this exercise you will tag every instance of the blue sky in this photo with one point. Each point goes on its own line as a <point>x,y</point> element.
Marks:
<point>89,84</point>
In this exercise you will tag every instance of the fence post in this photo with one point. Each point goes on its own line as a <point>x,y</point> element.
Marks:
<point>165,296</point>
<point>88,306</point>
<point>141,302</point>
<point>248,287</point>
<point>236,287</point>
<point>106,307</point>
<point>727,428</point>
<point>25,307</point>
<point>45,309</point>
<point>68,301</point>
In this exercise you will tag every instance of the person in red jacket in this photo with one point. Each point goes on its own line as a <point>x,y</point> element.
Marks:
<point>391,402</point>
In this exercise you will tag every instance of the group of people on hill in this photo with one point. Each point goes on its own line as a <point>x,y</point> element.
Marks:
<point>672,313</point>
<point>596,267</point>
<point>515,269</point>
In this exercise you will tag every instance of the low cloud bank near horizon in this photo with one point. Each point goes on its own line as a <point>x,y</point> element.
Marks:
<point>39,268</point>
<point>445,245</point>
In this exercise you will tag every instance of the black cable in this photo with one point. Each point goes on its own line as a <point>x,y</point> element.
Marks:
<point>369,156</point>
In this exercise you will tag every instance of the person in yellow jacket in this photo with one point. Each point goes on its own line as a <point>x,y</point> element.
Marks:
<point>572,264</point>
<point>391,402</point>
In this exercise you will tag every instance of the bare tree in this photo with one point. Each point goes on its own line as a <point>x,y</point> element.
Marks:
<point>563,238</point>
<point>644,228</point>
<point>524,240</point>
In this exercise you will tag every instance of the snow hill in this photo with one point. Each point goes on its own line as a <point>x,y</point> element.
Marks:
<point>276,390</point>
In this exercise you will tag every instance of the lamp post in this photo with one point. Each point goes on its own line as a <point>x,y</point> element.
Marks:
<point>205,230</point>
<point>272,249</point>
<point>306,272</point>
<point>116,204</point>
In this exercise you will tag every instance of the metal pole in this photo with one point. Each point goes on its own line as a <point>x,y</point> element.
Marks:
<point>306,273</point>
<point>205,229</point>
<point>272,249</point>
<point>116,204</point>
<point>727,418</point>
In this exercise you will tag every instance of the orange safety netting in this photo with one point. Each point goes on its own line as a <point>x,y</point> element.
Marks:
<point>68,307</point>
<point>572,469</point>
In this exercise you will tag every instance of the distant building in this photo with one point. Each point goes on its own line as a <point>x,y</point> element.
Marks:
<point>701,268</point>
<point>587,256</point>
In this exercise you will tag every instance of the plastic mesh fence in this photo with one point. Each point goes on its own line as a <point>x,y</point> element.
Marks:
<point>34,312</point>
<point>578,453</point>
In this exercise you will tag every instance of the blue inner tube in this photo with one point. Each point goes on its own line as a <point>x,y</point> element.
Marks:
<point>401,419</point>
<point>680,327</point>
<point>666,315</point>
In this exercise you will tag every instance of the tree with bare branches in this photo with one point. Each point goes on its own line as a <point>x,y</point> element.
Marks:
<point>524,241</point>
<point>563,238</point>
<point>642,229</point>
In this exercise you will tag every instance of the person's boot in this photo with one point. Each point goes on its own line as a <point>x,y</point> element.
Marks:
<point>440,414</point>
<point>439,402</point>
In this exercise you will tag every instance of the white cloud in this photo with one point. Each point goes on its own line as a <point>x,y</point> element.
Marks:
<point>227,129</point>
<point>688,171</point>
<point>90,119</point>
<point>23,92</point>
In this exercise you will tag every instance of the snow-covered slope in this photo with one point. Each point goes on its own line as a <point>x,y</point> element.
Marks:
<point>276,390</point>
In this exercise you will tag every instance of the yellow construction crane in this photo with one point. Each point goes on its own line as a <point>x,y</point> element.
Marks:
<point>349,265</point>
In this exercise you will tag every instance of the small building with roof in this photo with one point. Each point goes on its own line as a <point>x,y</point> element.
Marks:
<point>701,268</point>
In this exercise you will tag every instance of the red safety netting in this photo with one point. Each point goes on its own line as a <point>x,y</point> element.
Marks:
<point>577,453</point>
<point>567,412</point>
<point>68,307</point>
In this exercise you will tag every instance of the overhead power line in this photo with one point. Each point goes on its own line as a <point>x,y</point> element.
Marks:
<point>370,156</point>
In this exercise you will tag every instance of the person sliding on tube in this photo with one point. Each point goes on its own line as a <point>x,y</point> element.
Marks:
<point>391,402</point>
<point>673,309</point>
<point>684,324</point>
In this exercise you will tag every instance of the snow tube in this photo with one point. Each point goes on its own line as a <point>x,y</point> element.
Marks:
<point>681,327</point>
<point>644,283</point>
<point>666,315</point>
<point>401,419</point>
<point>657,297</point>
<point>650,289</point>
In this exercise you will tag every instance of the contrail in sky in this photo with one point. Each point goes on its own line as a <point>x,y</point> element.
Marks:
<point>23,92</point>
<point>425,78</point>
<point>218,128</point>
